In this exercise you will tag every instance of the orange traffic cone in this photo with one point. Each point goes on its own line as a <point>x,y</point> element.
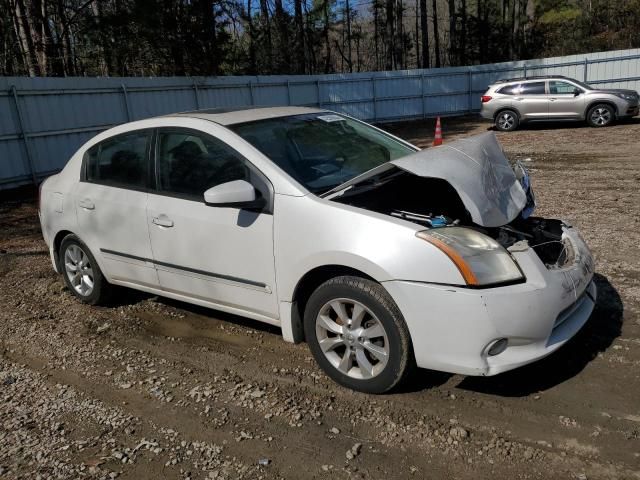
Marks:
<point>438,139</point>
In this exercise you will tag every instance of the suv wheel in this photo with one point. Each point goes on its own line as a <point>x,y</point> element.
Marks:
<point>81,272</point>
<point>507,121</point>
<point>357,334</point>
<point>600,115</point>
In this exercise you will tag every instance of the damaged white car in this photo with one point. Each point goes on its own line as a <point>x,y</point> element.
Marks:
<point>382,257</point>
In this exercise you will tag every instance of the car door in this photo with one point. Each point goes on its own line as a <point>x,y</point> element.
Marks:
<point>563,100</point>
<point>111,201</point>
<point>221,255</point>
<point>531,101</point>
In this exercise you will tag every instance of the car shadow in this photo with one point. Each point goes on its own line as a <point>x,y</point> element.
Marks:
<point>551,125</point>
<point>604,326</point>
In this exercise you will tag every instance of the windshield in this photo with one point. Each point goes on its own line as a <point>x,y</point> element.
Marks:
<point>321,150</point>
<point>582,84</point>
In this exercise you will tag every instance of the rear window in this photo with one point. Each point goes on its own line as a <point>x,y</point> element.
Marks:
<point>533,88</point>
<point>120,161</point>
<point>510,89</point>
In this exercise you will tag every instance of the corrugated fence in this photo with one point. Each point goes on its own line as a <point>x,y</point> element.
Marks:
<point>44,120</point>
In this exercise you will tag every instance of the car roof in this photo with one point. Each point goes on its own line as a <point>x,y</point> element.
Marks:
<point>231,116</point>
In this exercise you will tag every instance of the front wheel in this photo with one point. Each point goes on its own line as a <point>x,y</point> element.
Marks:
<point>357,334</point>
<point>507,121</point>
<point>600,115</point>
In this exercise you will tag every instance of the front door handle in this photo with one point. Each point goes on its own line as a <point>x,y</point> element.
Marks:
<point>87,204</point>
<point>163,221</point>
<point>552,99</point>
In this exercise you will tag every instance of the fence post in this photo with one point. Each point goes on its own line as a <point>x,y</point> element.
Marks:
<point>23,135</point>
<point>319,93</point>
<point>288,93</point>
<point>375,98</point>
<point>470,90</point>
<point>195,93</point>
<point>251,94</point>
<point>525,70</point>
<point>126,101</point>
<point>586,66</point>
<point>422,97</point>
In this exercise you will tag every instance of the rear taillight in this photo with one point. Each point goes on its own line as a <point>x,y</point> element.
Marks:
<point>486,98</point>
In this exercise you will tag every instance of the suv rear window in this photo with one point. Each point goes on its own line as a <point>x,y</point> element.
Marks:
<point>533,88</point>
<point>510,89</point>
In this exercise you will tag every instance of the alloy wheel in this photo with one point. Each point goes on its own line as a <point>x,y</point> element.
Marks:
<point>79,270</point>
<point>601,116</point>
<point>506,121</point>
<point>352,338</point>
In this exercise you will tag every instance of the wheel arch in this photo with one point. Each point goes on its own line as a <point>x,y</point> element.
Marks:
<point>305,286</point>
<point>57,242</point>
<point>502,109</point>
<point>593,103</point>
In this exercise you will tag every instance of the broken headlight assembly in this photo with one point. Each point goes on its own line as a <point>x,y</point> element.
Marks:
<point>480,259</point>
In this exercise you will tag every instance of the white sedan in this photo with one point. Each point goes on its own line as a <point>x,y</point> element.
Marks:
<point>382,257</point>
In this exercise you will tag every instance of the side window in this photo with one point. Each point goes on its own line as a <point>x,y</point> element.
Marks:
<point>558,88</point>
<point>119,161</point>
<point>533,88</point>
<point>189,163</point>
<point>510,89</point>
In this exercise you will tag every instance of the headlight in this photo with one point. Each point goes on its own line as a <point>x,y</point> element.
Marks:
<point>626,96</point>
<point>480,259</point>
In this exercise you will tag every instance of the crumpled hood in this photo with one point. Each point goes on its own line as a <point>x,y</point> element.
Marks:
<point>479,171</point>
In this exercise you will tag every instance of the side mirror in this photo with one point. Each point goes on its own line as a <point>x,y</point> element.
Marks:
<point>238,194</point>
<point>576,92</point>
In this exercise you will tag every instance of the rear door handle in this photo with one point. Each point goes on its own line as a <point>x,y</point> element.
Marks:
<point>162,221</point>
<point>87,204</point>
<point>552,99</point>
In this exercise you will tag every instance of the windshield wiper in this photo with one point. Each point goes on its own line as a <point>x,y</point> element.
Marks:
<point>368,183</point>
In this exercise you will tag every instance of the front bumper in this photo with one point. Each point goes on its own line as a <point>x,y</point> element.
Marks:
<point>452,328</point>
<point>631,111</point>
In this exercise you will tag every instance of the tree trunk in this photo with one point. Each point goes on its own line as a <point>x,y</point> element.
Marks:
<point>463,33</point>
<point>376,33</point>
<point>452,33</point>
<point>283,47</point>
<point>424,31</point>
<point>390,36</point>
<point>436,33</point>
<point>266,32</point>
<point>25,35</point>
<point>327,58</point>
<point>349,59</point>
<point>300,44</point>
<point>400,60</point>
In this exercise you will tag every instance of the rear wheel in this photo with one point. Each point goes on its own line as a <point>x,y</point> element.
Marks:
<point>600,115</point>
<point>81,272</point>
<point>507,121</point>
<point>357,334</point>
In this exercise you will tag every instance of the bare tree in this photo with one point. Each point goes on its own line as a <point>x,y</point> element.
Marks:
<point>436,33</point>
<point>424,30</point>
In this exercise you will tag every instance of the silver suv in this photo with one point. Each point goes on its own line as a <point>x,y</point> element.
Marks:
<point>509,103</point>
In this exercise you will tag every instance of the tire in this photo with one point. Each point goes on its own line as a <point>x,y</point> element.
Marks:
<point>507,120</point>
<point>91,287</point>
<point>355,358</point>
<point>600,115</point>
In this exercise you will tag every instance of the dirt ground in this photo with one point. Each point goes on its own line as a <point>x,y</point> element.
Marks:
<point>152,388</point>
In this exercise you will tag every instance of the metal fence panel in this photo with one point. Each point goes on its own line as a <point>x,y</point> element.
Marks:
<point>44,120</point>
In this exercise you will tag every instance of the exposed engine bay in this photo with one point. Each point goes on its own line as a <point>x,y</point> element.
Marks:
<point>434,203</point>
